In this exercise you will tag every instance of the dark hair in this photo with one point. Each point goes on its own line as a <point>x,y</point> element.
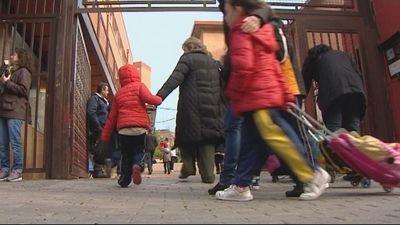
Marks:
<point>318,50</point>
<point>310,66</point>
<point>24,59</point>
<point>249,5</point>
<point>101,87</point>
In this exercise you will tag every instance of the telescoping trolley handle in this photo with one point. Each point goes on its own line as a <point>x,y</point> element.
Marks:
<point>309,121</point>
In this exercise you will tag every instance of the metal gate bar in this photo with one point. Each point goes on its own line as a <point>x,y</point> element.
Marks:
<point>27,7</point>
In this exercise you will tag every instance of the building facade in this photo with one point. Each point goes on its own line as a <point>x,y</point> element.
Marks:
<point>387,20</point>
<point>72,54</point>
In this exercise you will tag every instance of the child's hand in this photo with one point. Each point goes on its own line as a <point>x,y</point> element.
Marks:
<point>251,24</point>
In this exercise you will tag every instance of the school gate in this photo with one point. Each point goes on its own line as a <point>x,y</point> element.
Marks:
<point>61,37</point>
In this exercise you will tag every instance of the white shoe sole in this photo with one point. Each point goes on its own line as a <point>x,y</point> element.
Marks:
<point>15,180</point>
<point>234,199</point>
<point>313,196</point>
<point>220,196</point>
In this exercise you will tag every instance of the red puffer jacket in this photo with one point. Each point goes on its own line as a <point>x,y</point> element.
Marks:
<point>128,108</point>
<point>256,80</point>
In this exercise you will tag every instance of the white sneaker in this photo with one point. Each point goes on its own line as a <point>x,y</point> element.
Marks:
<point>235,193</point>
<point>317,186</point>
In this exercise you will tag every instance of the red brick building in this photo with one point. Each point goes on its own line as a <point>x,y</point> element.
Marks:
<point>387,18</point>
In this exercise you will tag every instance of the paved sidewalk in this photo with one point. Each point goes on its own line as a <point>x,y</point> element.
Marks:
<point>164,199</point>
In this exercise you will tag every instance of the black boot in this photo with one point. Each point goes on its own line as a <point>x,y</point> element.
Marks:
<point>298,189</point>
<point>217,187</point>
<point>124,181</point>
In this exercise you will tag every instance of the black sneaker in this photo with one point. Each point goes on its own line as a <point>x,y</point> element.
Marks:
<point>101,174</point>
<point>298,189</point>
<point>218,187</point>
<point>255,184</point>
<point>124,183</point>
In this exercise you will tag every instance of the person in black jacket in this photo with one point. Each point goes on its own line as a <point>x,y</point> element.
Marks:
<point>151,143</point>
<point>97,113</point>
<point>341,95</point>
<point>199,124</point>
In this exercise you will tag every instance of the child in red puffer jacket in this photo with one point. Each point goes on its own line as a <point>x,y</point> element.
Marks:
<point>258,91</point>
<point>128,113</point>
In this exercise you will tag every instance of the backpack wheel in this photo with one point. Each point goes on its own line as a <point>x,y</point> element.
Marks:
<point>387,189</point>
<point>354,183</point>
<point>366,183</point>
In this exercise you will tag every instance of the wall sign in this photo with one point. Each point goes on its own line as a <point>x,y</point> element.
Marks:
<point>391,48</point>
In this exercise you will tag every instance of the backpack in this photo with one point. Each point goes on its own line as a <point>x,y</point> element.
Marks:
<point>282,55</point>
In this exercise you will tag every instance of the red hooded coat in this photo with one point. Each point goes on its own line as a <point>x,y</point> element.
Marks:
<point>128,107</point>
<point>256,80</point>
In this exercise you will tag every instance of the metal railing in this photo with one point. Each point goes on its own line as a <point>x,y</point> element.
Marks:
<point>203,5</point>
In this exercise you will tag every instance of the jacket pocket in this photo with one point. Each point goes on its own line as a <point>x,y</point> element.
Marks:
<point>7,104</point>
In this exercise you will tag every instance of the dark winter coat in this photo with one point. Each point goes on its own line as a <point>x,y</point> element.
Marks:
<point>200,109</point>
<point>97,112</point>
<point>336,75</point>
<point>14,99</point>
<point>151,143</point>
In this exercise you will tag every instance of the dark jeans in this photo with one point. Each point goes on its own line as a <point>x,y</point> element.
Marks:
<point>132,149</point>
<point>344,112</point>
<point>167,167</point>
<point>232,127</point>
<point>10,133</point>
<point>173,160</point>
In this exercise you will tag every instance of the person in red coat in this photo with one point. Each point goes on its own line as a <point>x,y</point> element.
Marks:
<point>128,113</point>
<point>258,91</point>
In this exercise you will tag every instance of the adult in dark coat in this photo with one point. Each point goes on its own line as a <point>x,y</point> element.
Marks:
<point>150,146</point>
<point>97,113</point>
<point>341,96</point>
<point>199,124</point>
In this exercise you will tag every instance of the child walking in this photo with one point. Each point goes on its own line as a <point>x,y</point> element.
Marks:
<point>258,91</point>
<point>167,156</point>
<point>129,114</point>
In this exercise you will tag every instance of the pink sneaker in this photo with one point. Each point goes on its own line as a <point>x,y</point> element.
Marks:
<point>136,175</point>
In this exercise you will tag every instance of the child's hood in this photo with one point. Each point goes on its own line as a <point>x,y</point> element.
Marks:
<point>128,74</point>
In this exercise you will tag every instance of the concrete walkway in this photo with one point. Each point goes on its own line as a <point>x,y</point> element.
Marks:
<point>164,199</point>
